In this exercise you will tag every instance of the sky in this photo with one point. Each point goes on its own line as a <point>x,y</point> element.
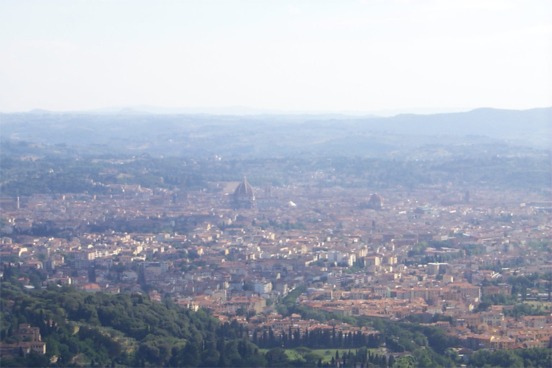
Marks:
<point>346,56</point>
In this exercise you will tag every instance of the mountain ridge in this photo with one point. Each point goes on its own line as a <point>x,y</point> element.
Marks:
<point>265,135</point>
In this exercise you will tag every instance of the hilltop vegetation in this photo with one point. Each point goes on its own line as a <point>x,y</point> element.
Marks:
<point>127,329</point>
<point>98,329</point>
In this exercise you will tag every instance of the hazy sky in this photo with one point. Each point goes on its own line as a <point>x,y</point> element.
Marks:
<point>339,55</point>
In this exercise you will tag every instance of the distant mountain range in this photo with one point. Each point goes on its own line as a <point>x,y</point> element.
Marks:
<point>265,135</point>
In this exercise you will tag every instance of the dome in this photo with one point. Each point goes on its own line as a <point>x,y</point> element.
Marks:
<point>244,189</point>
<point>375,202</point>
<point>243,196</point>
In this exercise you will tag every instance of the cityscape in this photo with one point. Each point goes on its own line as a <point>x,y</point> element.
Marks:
<point>286,257</point>
<point>290,184</point>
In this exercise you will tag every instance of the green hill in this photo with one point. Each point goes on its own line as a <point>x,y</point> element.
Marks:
<point>97,329</point>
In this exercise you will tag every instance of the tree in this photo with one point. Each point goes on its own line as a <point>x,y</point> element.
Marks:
<point>423,358</point>
<point>499,358</point>
<point>277,358</point>
<point>406,361</point>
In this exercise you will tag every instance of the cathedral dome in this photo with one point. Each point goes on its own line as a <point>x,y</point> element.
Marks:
<point>375,202</point>
<point>243,196</point>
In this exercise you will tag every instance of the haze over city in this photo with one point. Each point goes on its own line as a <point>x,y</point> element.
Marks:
<point>231,183</point>
<point>236,56</point>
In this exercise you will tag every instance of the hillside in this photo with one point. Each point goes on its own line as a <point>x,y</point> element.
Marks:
<point>87,329</point>
<point>277,135</point>
<point>84,329</point>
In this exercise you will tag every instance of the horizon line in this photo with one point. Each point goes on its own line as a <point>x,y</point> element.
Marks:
<point>247,111</point>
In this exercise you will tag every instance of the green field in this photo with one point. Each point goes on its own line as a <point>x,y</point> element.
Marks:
<point>326,355</point>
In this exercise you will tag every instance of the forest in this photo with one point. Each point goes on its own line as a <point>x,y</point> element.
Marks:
<point>99,329</point>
